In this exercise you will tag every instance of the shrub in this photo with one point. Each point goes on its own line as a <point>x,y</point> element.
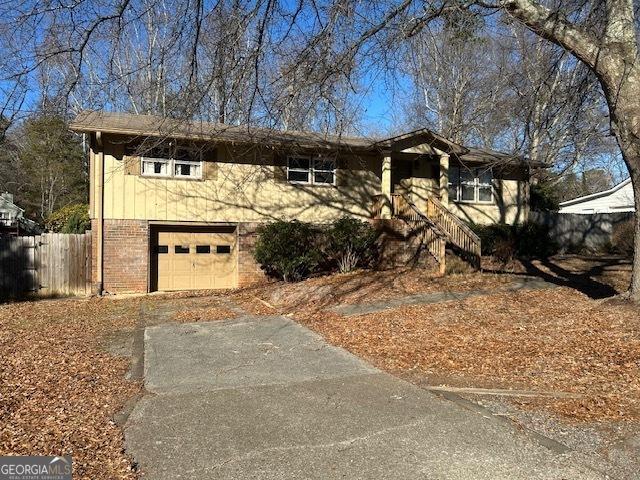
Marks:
<point>622,238</point>
<point>533,240</point>
<point>351,243</point>
<point>454,265</point>
<point>505,242</point>
<point>72,218</point>
<point>505,249</point>
<point>492,234</point>
<point>544,197</point>
<point>288,250</point>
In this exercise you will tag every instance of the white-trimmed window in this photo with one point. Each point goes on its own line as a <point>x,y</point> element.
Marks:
<point>172,162</point>
<point>473,185</point>
<point>160,167</point>
<point>190,169</point>
<point>299,169</point>
<point>311,170</point>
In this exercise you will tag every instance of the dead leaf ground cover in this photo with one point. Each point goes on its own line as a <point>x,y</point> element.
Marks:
<point>203,310</point>
<point>550,340</point>
<point>59,389</point>
<point>360,287</point>
<point>598,276</point>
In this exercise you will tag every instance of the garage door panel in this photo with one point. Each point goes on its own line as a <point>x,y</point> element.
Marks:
<point>196,260</point>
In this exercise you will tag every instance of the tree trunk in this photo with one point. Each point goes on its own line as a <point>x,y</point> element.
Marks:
<point>634,288</point>
<point>630,146</point>
<point>622,90</point>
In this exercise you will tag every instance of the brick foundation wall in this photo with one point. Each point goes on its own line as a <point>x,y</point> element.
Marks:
<point>94,256</point>
<point>401,245</point>
<point>126,256</point>
<point>249,272</point>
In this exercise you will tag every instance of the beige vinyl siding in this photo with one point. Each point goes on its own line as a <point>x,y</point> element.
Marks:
<point>511,204</point>
<point>240,191</point>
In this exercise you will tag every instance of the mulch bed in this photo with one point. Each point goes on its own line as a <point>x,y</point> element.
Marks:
<point>550,340</point>
<point>59,389</point>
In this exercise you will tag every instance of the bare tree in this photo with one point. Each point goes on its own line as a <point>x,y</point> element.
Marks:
<point>296,63</point>
<point>601,34</point>
<point>460,80</point>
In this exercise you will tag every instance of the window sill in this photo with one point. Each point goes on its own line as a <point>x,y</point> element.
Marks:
<point>169,177</point>
<point>473,202</point>
<point>309,184</point>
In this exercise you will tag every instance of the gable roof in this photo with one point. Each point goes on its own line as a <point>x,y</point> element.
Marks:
<point>484,155</point>
<point>419,137</point>
<point>156,126</point>
<point>8,203</point>
<point>593,196</point>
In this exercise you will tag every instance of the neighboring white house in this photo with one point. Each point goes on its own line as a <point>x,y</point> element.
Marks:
<point>614,200</point>
<point>9,211</point>
<point>12,220</point>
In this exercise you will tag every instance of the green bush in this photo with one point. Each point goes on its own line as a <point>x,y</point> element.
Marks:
<point>544,197</point>
<point>288,250</point>
<point>72,218</point>
<point>350,244</point>
<point>505,242</point>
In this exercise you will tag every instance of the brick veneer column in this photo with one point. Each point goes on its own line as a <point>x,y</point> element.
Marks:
<point>249,272</point>
<point>126,256</point>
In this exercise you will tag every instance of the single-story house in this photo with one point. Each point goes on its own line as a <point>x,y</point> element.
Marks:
<point>12,219</point>
<point>175,204</point>
<point>615,200</point>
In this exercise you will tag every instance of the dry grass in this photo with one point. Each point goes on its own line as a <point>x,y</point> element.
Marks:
<point>551,340</point>
<point>59,389</point>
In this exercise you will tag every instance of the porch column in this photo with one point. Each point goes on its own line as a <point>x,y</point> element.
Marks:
<point>386,185</point>
<point>444,178</point>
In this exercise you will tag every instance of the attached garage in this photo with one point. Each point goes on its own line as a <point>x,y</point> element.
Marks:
<point>193,258</point>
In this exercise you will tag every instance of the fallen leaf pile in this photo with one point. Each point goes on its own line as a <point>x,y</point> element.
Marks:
<point>360,286</point>
<point>59,389</point>
<point>554,340</point>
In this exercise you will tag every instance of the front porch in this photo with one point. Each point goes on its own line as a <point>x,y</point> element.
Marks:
<point>415,188</point>
<point>417,177</point>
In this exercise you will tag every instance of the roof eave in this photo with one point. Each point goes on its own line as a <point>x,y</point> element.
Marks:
<point>593,196</point>
<point>327,145</point>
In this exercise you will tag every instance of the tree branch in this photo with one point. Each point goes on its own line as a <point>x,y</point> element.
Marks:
<point>554,26</point>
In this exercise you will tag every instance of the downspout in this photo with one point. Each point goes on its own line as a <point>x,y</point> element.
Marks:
<point>100,216</point>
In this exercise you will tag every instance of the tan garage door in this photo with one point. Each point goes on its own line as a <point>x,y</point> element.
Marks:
<point>195,260</point>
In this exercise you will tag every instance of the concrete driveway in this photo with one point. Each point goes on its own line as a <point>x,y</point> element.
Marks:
<point>265,398</point>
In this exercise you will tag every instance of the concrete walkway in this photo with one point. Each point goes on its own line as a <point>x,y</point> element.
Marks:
<point>265,398</point>
<point>527,283</point>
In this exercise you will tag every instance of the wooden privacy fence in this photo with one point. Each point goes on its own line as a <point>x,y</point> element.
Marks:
<point>48,265</point>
